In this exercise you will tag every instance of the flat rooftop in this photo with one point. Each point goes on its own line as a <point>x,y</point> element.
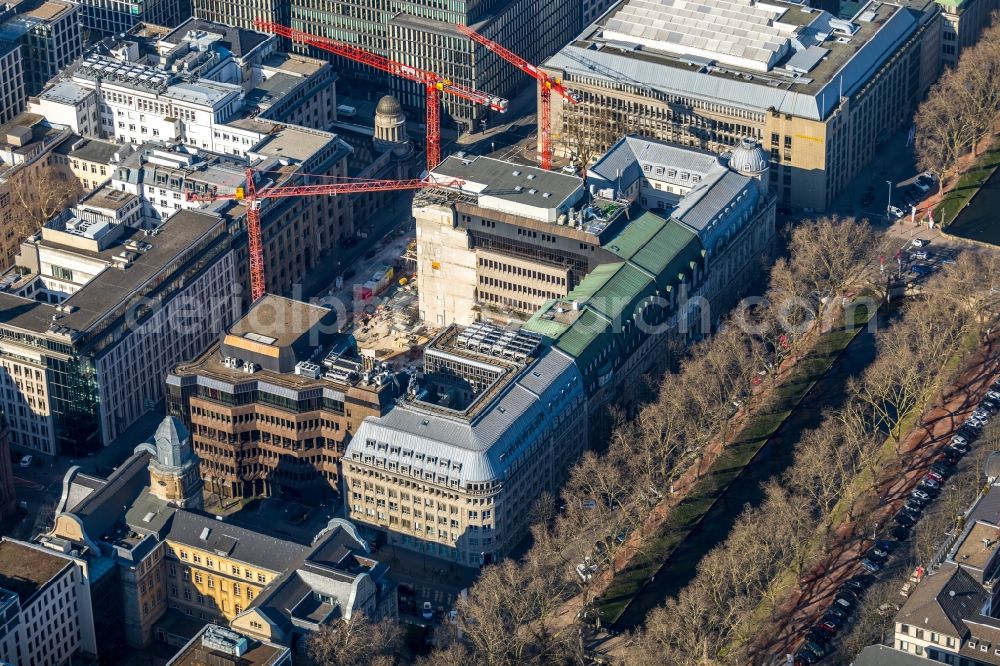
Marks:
<point>978,546</point>
<point>108,198</point>
<point>200,651</point>
<point>525,185</point>
<point>276,321</point>
<point>112,286</point>
<point>25,570</point>
<point>698,48</point>
<point>294,143</point>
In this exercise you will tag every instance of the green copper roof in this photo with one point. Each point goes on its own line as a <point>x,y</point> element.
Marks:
<point>656,255</point>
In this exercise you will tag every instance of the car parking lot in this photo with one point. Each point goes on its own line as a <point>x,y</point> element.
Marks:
<point>819,640</point>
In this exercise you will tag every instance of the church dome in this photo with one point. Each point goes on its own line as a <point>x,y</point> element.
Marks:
<point>748,158</point>
<point>388,106</point>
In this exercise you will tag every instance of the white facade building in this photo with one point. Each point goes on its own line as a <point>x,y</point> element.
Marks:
<point>45,610</point>
<point>103,312</point>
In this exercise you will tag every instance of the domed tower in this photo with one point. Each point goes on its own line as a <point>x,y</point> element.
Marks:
<point>750,159</point>
<point>173,474</point>
<point>390,128</point>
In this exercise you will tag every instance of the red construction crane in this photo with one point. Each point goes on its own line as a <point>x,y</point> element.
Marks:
<point>546,85</point>
<point>434,84</point>
<point>252,196</point>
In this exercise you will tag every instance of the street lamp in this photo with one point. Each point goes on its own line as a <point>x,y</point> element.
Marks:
<point>888,208</point>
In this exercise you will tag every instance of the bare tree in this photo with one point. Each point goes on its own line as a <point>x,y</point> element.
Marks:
<point>37,194</point>
<point>943,132</point>
<point>355,642</point>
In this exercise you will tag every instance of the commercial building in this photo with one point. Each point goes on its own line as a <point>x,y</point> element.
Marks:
<point>495,420</point>
<point>818,90</point>
<point>28,143</point>
<point>96,313</point>
<point>726,200</point>
<point>177,566</point>
<point>48,32</point>
<point>421,35</point>
<point>513,238</point>
<point>962,23</point>
<point>509,239</point>
<point>162,176</point>
<point>272,405</point>
<point>219,645</point>
<point>112,17</point>
<point>45,606</point>
<point>12,94</point>
<point>92,161</point>
<point>221,99</point>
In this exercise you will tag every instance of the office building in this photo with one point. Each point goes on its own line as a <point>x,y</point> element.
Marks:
<point>48,32</point>
<point>45,606</point>
<point>272,405</point>
<point>111,17</point>
<point>177,565</point>
<point>962,23</point>
<point>725,199</point>
<point>163,176</point>
<point>513,237</point>
<point>28,143</point>
<point>12,94</point>
<point>495,420</point>
<point>92,161</point>
<point>96,313</point>
<point>509,239</point>
<point>818,91</point>
<point>219,645</point>
<point>421,35</point>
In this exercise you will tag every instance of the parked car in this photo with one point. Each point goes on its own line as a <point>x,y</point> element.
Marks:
<point>914,505</point>
<point>886,545</point>
<point>934,476</point>
<point>955,453</point>
<point>871,565</point>
<point>943,468</point>
<point>919,242</point>
<point>961,446</point>
<point>995,395</point>
<point>900,533</point>
<point>819,650</point>
<point>894,212</point>
<point>981,414</point>
<point>905,519</point>
<point>805,657</point>
<point>970,431</point>
<point>920,254</point>
<point>959,439</point>
<point>921,185</point>
<point>427,612</point>
<point>925,180</point>
<point>878,555</point>
<point>921,495</point>
<point>990,404</point>
<point>859,582</point>
<point>820,634</point>
<point>930,485</point>
<point>922,270</point>
<point>26,461</point>
<point>835,616</point>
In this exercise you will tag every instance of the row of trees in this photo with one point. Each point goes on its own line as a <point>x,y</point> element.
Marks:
<point>714,619</point>
<point>512,614</point>
<point>961,108</point>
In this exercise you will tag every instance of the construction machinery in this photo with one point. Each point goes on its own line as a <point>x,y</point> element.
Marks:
<point>546,85</point>
<point>250,195</point>
<point>434,84</point>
